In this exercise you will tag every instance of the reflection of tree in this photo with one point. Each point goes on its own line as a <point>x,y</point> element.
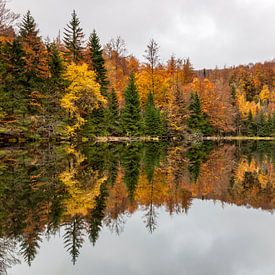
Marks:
<point>130,159</point>
<point>8,255</point>
<point>197,154</point>
<point>74,237</point>
<point>151,218</point>
<point>29,246</point>
<point>116,225</point>
<point>97,214</point>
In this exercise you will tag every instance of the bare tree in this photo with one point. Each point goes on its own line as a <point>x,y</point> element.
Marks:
<point>116,46</point>
<point>151,55</point>
<point>7,18</point>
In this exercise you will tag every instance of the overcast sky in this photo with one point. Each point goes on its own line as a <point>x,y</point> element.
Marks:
<point>210,32</point>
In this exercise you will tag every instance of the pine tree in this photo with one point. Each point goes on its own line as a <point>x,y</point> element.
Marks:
<point>98,120</point>
<point>56,66</point>
<point>73,38</point>
<point>263,125</point>
<point>198,120</point>
<point>131,121</point>
<point>250,125</point>
<point>97,62</point>
<point>113,115</point>
<point>28,26</point>
<point>153,124</point>
<point>13,94</point>
<point>36,59</point>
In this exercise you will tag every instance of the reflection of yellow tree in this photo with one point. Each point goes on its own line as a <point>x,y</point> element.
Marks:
<point>262,172</point>
<point>81,199</point>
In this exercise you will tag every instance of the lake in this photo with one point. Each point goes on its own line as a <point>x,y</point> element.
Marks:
<point>138,208</point>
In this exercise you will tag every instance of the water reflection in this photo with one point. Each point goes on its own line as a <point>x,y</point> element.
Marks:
<point>81,189</point>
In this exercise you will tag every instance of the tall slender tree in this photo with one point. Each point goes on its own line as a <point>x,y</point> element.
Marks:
<point>97,62</point>
<point>131,121</point>
<point>153,124</point>
<point>198,121</point>
<point>36,59</point>
<point>73,38</point>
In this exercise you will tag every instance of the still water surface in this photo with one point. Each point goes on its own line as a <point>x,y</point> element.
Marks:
<point>138,209</point>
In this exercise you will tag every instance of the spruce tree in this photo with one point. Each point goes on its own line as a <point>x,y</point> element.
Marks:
<point>131,121</point>
<point>36,65</point>
<point>250,125</point>
<point>97,62</point>
<point>98,119</point>
<point>55,62</point>
<point>113,115</point>
<point>153,124</point>
<point>28,26</point>
<point>198,121</point>
<point>73,38</point>
<point>13,92</point>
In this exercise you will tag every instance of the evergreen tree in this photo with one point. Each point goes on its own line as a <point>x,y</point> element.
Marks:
<point>13,94</point>
<point>264,126</point>
<point>56,66</point>
<point>73,38</point>
<point>36,59</point>
<point>131,121</point>
<point>97,62</point>
<point>250,125</point>
<point>198,120</point>
<point>153,124</point>
<point>113,114</point>
<point>28,26</point>
<point>97,122</point>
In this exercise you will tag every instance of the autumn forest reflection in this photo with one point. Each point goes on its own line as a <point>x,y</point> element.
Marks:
<point>82,188</point>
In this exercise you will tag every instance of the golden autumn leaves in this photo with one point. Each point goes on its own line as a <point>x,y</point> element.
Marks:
<point>82,94</point>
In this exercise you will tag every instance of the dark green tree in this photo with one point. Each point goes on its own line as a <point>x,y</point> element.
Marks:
<point>97,62</point>
<point>131,120</point>
<point>250,125</point>
<point>13,94</point>
<point>56,66</point>
<point>73,38</point>
<point>153,123</point>
<point>113,114</point>
<point>97,121</point>
<point>28,26</point>
<point>198,121</point>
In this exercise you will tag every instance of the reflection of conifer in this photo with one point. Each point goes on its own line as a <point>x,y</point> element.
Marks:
<point>74,237</point>
<point>151,218</point>
<point>152,158</point>
<point>198,154</point>
<point>130,159</point>
<point>29,247</point>
<point>97,214</point>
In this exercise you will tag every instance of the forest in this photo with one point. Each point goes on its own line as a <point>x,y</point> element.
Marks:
<point>73,87</point>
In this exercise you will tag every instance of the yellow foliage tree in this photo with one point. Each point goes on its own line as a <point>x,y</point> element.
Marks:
<point>83,95</point>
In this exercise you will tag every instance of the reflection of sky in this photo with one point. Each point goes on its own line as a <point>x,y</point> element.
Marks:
<point>209,240</point>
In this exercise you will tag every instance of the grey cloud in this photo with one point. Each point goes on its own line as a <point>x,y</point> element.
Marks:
<point>210,32</point>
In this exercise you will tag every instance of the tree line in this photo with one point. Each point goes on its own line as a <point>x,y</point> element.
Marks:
<point>69,87</point>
